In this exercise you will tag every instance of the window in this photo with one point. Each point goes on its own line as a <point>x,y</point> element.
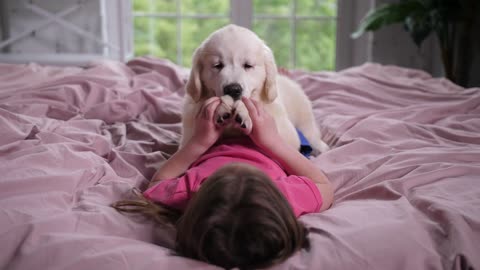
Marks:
<point>302,33</point>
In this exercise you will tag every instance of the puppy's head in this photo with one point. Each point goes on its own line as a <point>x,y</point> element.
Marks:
<point>233,61</point>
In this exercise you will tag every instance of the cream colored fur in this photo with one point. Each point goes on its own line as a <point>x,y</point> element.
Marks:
<point>238,48</point>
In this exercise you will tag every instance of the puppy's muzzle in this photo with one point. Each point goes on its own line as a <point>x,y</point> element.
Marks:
<point>234,90</point>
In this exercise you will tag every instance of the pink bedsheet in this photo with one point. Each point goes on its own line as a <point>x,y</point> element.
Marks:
<point>405,162</point>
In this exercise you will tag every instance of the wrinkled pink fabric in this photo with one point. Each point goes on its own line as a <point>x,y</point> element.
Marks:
<point>301,192</point>
<point>405,162</point>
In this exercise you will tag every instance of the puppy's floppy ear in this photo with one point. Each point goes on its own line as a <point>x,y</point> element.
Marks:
<point>194,83</point>
<point>269,93</point>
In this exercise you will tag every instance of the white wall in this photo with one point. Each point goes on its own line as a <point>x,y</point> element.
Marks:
<point>54,38</point>
<point>389,46</point>
<point>93,30</point>
<point>352,52</point>
<point>393,45</point>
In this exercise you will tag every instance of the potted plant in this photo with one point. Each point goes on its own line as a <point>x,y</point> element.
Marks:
<point>451,21</point>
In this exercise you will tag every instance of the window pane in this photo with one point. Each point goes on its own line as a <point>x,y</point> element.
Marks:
<point>316,44</point>
<point>317,7</point>
<point>206,7</point>
<point>162,6</point>
<point>277,35</point>
<point>194,31</point>
<point>155,37</point>
<point>272,7</point>
<point>165,6</point>
<point>141,5</point>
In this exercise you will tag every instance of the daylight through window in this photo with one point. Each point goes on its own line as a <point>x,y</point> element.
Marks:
<point>300,32</point>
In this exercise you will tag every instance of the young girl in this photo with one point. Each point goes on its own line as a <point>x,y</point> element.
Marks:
<point>235,202</point>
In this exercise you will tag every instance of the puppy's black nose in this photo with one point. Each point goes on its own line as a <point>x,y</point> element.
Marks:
<point>234,90</point>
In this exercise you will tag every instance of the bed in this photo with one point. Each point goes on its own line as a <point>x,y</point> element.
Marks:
<point>405,162</point>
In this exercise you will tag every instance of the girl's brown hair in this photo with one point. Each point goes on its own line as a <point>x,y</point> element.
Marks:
<point>238,218</point>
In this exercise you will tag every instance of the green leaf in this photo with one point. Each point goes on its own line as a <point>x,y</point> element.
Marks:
<point>419,26</point>
<point>387,14</point>
<point>427,4</point>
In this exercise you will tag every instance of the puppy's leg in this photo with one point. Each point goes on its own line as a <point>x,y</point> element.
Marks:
<point>241,117</point>
<point>225,110</point>
<point>300,112</point>
<point>309,129</point>
<point>233,110</point>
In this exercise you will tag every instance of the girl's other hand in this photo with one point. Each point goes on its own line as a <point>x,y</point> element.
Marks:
<point>264,129</point>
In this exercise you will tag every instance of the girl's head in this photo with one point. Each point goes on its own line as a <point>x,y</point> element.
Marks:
<point>238,218</point>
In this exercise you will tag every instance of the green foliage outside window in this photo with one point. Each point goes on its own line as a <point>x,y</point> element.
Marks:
<point>315,39</point>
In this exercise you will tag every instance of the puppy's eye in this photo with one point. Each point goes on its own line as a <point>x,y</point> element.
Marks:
<point>247,66</point>
<point>218,66</point>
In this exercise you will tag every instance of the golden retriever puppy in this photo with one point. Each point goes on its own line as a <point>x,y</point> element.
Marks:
<point>234,62</point>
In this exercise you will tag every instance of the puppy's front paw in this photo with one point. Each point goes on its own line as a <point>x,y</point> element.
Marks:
<point>242,118</point>
<point>224,111</point>
<point>319,147</point>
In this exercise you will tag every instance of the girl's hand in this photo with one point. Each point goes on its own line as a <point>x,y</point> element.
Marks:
<point>205,131</point>
<point>264,129</point>
<point>265,135</point>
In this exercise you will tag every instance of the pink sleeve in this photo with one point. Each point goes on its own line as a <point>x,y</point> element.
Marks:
<point>301,192</point>
<point>175,192</point>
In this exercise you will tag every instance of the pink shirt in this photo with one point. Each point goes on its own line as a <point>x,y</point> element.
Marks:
<point>302,194</point>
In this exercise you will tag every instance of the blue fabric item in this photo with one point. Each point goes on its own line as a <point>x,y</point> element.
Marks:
<point>305,147</point>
